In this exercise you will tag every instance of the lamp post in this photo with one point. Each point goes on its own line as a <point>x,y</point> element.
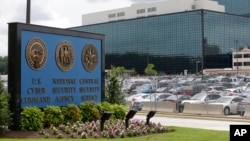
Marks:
<point>197,66</point>
<point>28,12</point>
<point>203,61</point>
<point>237,69</point>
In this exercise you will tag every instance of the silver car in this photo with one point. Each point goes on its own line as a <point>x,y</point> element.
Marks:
<point>242,104</point>
<point>230,104</point>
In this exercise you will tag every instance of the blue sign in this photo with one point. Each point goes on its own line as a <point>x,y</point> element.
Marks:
<point>59,69</point>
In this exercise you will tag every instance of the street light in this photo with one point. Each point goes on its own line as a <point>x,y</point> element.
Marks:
<point>28,12</point>
<point>197,66</point>
<point>237,69</point>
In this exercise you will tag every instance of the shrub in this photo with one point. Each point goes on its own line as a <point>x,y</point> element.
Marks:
<point>119,111</point>
<point>5,116</point>
<point>53,116</point>
<point>32,118</point>
<point>89,111</point>
<point>106,107</point>
<point>71,113</point>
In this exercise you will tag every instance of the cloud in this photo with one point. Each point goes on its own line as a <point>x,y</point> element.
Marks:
<point>53,13</point>
<point>94,1</point>
<point>136,1</point>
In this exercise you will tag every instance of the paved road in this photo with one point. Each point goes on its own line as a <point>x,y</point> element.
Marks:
<point>193,123</point>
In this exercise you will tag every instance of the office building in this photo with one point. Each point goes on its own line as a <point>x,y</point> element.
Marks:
<point>198,35</point>
<point>239,7</point>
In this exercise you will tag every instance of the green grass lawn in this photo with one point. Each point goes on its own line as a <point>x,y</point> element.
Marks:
<point>179,134</point>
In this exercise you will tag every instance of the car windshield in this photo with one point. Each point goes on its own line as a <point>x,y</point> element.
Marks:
<point>147,86</point>
<point>207,89</point>
<point>247,99</point>
<point>223,100</point>
<point>173,97</point>
<point>151,96</point>
<point>198,96</point>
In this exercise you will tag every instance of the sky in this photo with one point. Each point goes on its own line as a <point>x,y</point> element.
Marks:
<point>52,13</point>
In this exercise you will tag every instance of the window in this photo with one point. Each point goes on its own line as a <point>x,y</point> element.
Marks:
<point>237,64</point>
<point>140,11</point>
<point>237,55</point>
<point>111,15</point>
<point>246,63</point>
<point>120,14</point>
<point>152,9</point>
<point>246,55</point>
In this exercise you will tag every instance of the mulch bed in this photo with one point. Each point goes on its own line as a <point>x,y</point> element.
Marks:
<point>21,134</point>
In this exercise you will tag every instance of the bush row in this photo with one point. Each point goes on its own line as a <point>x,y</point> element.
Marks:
<point>5,113</point>
<point>33,118</point>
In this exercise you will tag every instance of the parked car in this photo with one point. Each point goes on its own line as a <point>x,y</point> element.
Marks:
<point>230,104</point>
<point>162,89</point>
<point>129,87</point>
<point>232,80</point>
<point>246,92</point>
<point>178,99</point>
<point>154,97</point>
<point>234,91</point>
<point>137,97</point>
<point>200,98</point>
<point>214,89</point>
<point>147,88</point>
<point>242,104</point>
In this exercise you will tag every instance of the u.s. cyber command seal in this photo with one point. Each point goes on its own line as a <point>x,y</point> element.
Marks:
<point>89,57</point>
<point>65,56</point>
<point>36,53</point>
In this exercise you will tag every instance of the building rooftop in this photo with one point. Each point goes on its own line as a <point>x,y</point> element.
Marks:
<point>139,10</point>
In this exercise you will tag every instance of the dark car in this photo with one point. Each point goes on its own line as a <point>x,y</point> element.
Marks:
<point>242,104</point>
<point>178,99</point>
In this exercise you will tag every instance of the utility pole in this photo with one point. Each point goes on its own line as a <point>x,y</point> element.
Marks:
<point>28,12</point>
<point>237,56</point>
<point>203,43</point>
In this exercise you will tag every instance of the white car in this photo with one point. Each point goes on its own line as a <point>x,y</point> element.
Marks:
<point>137,97</point>
<point>202,98</point>
<point>233,91</point>
<point>230,104</point>
<point>156,97</point>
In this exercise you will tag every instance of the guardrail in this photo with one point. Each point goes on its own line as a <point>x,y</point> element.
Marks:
<point>247,111</point>
<point>203,109</point>
<point>190,109</point>
<point>160,106</point>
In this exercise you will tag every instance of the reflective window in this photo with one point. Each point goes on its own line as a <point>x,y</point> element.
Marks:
<point>173,42</point>
<point>240,7</point>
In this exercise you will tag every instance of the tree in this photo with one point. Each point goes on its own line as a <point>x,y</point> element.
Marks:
<point>5,116</point>
<point>118,71</point>
<point>3,65</point>
<point>113,91</point>
<point>132,71</point>
<point>149,70</point>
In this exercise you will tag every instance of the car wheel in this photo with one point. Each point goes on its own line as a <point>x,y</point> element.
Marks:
<point>242,113</point>
<point>226,111</point>
<point>181,109</point>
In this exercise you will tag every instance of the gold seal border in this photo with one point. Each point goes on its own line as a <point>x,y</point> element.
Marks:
<point>29,46</point>
<point>84,51</point>
<point>71,57</point>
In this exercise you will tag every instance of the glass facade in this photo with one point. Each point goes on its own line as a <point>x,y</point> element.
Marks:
<point>239,7</point>
<point>173,42</point>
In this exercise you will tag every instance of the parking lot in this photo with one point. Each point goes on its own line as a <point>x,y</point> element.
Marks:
<point>212,96</point>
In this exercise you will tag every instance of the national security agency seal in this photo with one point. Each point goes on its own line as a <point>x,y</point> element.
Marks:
<point>36,53</point>
<point>65,56</point>
<point>89,57</point>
